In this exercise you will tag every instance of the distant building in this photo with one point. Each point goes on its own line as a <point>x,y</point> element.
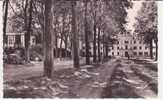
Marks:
<point>128,44</point>
<point>18,40</point>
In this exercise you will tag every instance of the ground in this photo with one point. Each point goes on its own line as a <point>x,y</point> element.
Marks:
<point>116,78</point>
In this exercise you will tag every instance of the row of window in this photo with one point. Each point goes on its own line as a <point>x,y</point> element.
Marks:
<point>135,47</point>
<point>140,53</point>
<point>17,39</point>
<point>135,53</point>
<point>127,42</point>
<point>117,53</point>
<point>140,47</point>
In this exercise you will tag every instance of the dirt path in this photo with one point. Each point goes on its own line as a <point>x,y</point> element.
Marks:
<point>90,81</point>
<point>140,86</point>
<point>93,87</point>
<point>83,83</point>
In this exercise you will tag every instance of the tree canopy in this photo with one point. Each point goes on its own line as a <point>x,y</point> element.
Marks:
<point>146,21</point>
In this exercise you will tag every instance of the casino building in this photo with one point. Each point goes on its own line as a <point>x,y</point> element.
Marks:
<point>131,45</point>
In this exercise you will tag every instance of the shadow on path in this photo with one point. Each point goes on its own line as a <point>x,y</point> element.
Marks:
<point>117,87</point>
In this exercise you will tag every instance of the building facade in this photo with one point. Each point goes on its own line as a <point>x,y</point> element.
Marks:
<point>131,45</point>
<point>17,39</point>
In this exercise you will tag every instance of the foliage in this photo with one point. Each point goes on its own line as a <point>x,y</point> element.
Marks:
<point>111,15</point>
<point>146,25</point>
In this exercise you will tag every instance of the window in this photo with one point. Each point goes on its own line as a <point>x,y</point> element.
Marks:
<point>10,40</point>
<point>117,47</point>
<point>126,42</point>
<point>140,47</point>
<point>135,48</point>
<point>146,53</point>
<point>118,42</point>
<point>126,47</point>
<point>154,53</point>
<point>135,53</point>
<point>17,39</point>
<point>113,53</point>
<point>140,42</point>
<point>140,53</point>
<point>112,47</point>
<point>117,53</point>
<point>134,42</point>
<point>145,48</point>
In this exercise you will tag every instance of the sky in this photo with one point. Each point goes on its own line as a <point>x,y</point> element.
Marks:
<point>132,13</point>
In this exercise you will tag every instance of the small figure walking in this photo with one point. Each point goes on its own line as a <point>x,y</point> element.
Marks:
<point>128,56</point>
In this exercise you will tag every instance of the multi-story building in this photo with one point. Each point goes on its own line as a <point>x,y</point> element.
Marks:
<point>131,45</point>
<point>18,39</point>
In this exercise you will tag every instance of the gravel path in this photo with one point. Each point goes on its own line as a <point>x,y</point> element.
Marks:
<point>141,86</point>
<point>91,81</point>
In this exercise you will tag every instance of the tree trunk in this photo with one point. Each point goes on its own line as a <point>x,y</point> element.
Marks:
<point>48,40</point>
<point>94,44</point>
<point>86,37</point>
<point>74,37</point>
<point>56,45</point>
<point>66,53</point>
<point>151,49</point>
<point>94,40</point>
<point>103,49</point>
<point>56,39</point>
<point>26,28</point>
<point>60,51</point>
<point>28,33</point>
<point>156,58</point>
<point>5,21</point>
<point>43,25</point>
<point>106,48</point>
<point>99,55</point>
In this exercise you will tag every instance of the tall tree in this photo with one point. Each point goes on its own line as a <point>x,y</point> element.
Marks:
<point>98,49</point>
<point>48,40</point>
<point>28,30</point>
<point>5,8</point>
<point>38,19</point>
<point>87,54</point>
<point>146,25</point>
<point>95,31</point>
<point>74,37</point>
<point>22,21</point>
